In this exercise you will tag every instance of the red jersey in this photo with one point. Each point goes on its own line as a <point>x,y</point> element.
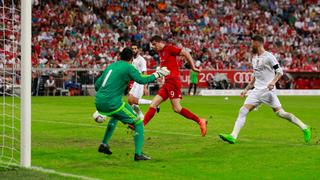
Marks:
<point>168,58</point>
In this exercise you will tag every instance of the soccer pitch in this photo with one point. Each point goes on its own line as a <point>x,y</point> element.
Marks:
<point>65,139</point>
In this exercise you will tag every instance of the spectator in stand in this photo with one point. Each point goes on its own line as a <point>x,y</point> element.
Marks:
<point>50,86</point>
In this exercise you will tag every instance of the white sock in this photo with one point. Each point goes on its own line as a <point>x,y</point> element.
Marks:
<point>292,118</point>
<point>136,108</point>
<point>241,120</point>
<point>138,111</point>
<point>144,101</point>
<point>141,115</point>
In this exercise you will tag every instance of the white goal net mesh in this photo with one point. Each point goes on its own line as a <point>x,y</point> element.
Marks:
<point>9,82</point>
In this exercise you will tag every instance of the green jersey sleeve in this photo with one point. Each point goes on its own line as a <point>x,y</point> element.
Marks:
<point>140,78</point>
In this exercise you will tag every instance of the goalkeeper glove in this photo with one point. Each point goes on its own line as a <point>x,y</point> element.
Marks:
<point>161,72</point>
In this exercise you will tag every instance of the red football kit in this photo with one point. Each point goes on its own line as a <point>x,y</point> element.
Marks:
<point>172,85</point>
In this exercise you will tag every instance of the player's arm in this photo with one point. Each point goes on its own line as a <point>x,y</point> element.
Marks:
<point>140,78</point>
<point>278,70</point>
<point>189,58</point>
<point>248,87</point>
<point>144,79</point>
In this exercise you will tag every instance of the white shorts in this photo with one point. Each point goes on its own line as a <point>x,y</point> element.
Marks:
<point>137,90</point>
<point>256,97</point>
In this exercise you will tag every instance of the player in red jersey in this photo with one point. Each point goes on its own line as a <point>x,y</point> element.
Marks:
<point>172,86</point>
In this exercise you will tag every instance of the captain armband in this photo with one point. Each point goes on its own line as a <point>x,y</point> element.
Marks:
<point>278,69</point>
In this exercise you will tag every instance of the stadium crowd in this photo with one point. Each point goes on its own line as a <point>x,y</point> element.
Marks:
<point>90,33</point>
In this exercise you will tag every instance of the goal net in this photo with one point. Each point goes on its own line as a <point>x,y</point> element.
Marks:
<point>9,81</point>
<point>11,111</point>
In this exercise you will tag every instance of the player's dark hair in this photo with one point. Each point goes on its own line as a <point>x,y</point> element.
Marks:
<point>258,38</point>
<point>126,54</point>
<point>156,38</point>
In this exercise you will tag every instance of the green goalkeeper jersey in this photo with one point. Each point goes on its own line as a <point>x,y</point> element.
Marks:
<point>112,84</point>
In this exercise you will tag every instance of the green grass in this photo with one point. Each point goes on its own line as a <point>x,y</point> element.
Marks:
<point>65,138</point>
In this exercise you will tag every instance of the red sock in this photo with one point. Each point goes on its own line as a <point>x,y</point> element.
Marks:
<point>149,115</point>
<point>186,113</point>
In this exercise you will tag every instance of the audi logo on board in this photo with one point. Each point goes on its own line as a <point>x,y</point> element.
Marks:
<point>242,77</point>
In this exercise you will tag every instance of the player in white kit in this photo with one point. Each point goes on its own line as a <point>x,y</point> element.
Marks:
<point>137,90</point>
<point>266,72</point>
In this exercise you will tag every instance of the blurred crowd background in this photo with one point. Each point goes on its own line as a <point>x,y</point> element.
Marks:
<point>90,34</point>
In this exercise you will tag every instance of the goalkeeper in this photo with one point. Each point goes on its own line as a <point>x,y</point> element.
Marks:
<point>110,88</point>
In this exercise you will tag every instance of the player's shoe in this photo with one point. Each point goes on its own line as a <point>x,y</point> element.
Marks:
<point>307,134</point>
<point>158,109</point>
<point>203,126</point>
<point>142,157</point>
<point>228,138</point>
<point>105,149</point>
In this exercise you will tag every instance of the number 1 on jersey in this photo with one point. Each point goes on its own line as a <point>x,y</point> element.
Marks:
<point>106,78</point>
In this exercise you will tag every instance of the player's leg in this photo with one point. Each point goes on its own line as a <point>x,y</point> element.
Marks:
<point>135,95</point>
<point>104,146</point>
<point>135,98</point>
<point>195,89</point>
<point>252,101</point>
<point>241,120</point>
<point>271,99</point>
<point>156,101</point>
<point>291,118</point>
<point>127,116</point>
<point>144,101</point>
<point>134,102</point>
<point>176,106</point>
<point>190,88</point>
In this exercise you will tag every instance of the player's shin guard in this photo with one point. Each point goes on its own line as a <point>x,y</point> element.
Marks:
<point>109,131</point>
<point>138,137</point>
<point>144,101</point>
<point>149,115</point>
<point>186,113</point>
<point>241,120</point>
<point>292,118</point>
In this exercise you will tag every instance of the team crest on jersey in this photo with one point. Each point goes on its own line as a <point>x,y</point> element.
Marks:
<point>257,64</point>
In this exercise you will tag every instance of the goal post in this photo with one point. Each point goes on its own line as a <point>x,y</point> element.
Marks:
<point>26,25</point>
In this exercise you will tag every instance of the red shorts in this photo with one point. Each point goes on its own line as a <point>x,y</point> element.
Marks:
<point>170,89</point>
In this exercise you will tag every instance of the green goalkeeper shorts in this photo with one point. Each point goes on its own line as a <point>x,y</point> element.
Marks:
<point>125,114</point>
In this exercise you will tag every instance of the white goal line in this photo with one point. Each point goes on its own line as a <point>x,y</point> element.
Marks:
<point>51,171</point>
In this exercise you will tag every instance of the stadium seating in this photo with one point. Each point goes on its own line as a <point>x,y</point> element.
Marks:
<point>90,33</point>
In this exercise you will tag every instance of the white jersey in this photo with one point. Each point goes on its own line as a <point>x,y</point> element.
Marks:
<point>140,64</point>
<point>263,69</point>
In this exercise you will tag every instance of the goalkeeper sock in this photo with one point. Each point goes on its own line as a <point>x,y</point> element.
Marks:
<point>144,101</point>
<point>138,138</point>
<point>109,131</point>
<point>149,115</point>
<point>186,113</point>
